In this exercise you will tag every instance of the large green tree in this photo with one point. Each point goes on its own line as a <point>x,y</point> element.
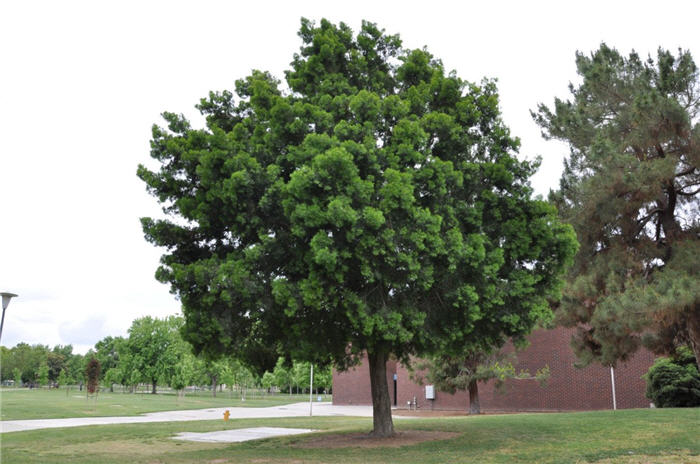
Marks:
<point>374,206</point>
<point>152,350</point>
<point>630,188</point>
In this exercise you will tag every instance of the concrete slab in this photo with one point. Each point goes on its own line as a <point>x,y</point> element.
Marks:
<point>238,435</point>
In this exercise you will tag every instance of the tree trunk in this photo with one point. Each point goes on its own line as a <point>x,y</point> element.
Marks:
<point>381,403</point>
<point>214,379</point>
<point>153,391</point>
<point>474,406</point>
<point>694,333</point>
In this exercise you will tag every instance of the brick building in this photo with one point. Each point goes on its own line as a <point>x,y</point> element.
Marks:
<point>568,388</point>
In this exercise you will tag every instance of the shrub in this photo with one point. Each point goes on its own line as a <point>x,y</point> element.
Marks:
<point>674,382</point>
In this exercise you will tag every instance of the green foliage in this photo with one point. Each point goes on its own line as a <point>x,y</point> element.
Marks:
<point>376,205</point>
<point>463,371</point>
<point>63,378</point>
<point>113,375</point>
<point>42,375</point>
<point>268,380</point>
<point>183,373</point>
<point>17,376</point>
<point>452,373</point>
<point>281,374</point>
<point>285,376</point>
<point>151,352</point>
<point>674,382</point>
<point>28,359</point>
<point>630,189</point>
<point>107,352</point>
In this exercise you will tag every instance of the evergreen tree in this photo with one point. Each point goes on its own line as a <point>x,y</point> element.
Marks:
<point>630,188</point>
<point>375,206</point>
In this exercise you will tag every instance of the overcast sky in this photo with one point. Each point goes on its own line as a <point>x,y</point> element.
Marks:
<point>81,83</point>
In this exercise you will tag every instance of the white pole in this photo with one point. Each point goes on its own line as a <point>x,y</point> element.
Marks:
<point>612,381</point>
<point>311,392</point>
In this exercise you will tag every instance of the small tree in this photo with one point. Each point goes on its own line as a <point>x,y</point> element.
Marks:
<point>183,374</point>
<point>282,377</point>
<point>112,376</point>
<point>268,380</point>
<point>465,371</point>
<point>43,375</point>
<point>62,378</point>
<point>92,373</point>
<point>674,382</point>
<point>17,374</point>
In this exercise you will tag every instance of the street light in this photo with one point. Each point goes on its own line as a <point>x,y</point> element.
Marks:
<point>6,297</point>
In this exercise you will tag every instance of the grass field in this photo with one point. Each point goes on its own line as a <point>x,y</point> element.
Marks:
<point>626,437</point>
<point>52,404</point>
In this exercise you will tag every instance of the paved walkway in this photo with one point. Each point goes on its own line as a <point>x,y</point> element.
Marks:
<point>288,410</point>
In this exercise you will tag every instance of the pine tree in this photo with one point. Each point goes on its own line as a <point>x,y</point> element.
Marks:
<point>630,189</point>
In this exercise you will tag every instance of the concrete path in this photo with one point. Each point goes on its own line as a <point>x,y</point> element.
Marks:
<point>288,410</point>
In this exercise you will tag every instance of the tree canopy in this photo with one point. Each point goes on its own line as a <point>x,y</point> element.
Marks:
<point>151,352</point>
<point>630,189</point>
<point>374,205</point>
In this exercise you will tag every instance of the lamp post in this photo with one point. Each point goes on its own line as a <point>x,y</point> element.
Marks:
<point>6,297</point>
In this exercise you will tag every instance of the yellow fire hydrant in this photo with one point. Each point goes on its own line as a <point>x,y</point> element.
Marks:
<point>227,414</point>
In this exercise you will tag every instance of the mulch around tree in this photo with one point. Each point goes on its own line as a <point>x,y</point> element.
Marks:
<point>364,440</point>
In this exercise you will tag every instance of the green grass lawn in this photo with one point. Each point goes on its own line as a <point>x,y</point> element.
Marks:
<point>630,436</point>
<point>52,404</point>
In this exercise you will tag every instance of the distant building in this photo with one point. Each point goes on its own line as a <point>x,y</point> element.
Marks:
<point>568,388</point>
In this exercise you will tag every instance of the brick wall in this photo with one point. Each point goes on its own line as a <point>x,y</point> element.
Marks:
<point>568,388</point>
<point>353,387</point>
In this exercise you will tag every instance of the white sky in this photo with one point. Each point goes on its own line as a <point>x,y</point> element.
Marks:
<point>81,83</point>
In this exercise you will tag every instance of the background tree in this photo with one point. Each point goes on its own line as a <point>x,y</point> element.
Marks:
<point>28,359</point>
<point>57,359</point>
<point>63,380</point>
<point>630,188</point>
<point>42,375</point>
<point>17,376</point>
<point>76,368</point>
<point>213,371</point>
<point>107,352</point>
<point>465,370</point>
<point>267,381</point>
<point>281,374</point>
<point>376,206</point>
<point>183,373</point>
<point>153,348</point>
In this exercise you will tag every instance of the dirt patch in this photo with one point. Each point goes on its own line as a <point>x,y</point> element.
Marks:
<point>683,457</point>
<point>134,448</point>
<point>363,440</point>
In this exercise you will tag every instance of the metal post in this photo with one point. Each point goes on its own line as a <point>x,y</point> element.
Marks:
<point>612,381</point>
<point>311,392</point>
<point>6,297</point>
<point>2,323</point>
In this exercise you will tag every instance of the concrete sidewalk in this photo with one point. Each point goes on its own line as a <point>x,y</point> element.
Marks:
<point>287,410</point>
